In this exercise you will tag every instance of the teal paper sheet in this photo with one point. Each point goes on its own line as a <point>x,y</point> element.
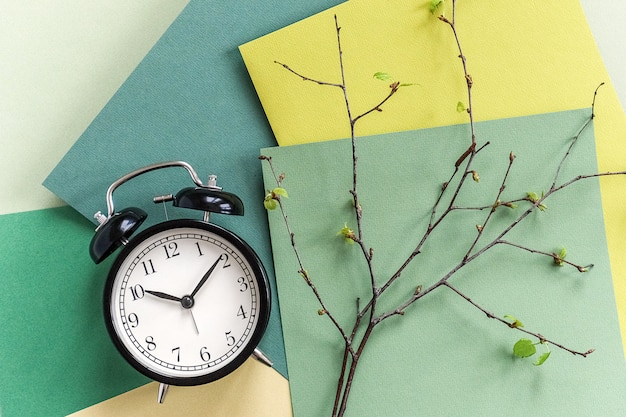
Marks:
<point>445,357</point>
<point>189,99</point>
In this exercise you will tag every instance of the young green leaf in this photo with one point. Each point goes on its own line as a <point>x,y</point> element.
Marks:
<point>271,199</point>
<point>382,76</point>
<point>460,107</point>
<point>347,233</point>
<point>533,198</point>
<point>435,4</point>
<point>514,322</point>
<point>558,258</point>
<point>524,348</point>
<point>269,202</point>
<point>542,358</point>
<point>280,191</point>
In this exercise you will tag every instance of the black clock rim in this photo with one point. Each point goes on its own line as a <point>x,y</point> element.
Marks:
<point>263,310</point>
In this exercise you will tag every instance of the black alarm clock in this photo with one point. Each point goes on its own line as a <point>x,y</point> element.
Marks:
<point>186,301</point>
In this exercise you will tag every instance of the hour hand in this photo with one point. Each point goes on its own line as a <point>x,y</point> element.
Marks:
<point>164,295</point>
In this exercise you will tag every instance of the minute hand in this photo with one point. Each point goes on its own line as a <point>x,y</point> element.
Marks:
<point>205,277</point>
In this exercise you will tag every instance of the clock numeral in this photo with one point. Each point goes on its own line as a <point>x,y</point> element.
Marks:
<point>199,249</point>
<point>150,345</point>
<point>176,352</point>
<point>243,284</point>
<point>171,250</point>
<point>242,313</point>
<point>230,340</point>
<point>133,320</point>
<point>226,263</point>
<point>137,292</point>
<point>148,267</point>
<point>204,354</point>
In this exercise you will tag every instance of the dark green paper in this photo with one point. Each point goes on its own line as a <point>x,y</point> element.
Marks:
<point>55,354</point>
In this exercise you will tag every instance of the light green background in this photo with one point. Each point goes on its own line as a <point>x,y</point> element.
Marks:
<point>61,62</point>
<point>444,357</point>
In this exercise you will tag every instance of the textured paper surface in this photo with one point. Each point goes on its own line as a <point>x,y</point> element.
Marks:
<point>56,356</point>
<point>444,357</point>
<point>608,32</point>
<point>404,39</point>
<point>252,390</point>
<point>524,57</point>
<point>61,62</point>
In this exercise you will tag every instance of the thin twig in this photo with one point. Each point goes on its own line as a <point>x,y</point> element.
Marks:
<point>539,336</point>
<point>302,271</point>
<point>575,139</point>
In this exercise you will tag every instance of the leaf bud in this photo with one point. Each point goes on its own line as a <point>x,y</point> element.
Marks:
<point>347,233</point>
<point>557,259</point>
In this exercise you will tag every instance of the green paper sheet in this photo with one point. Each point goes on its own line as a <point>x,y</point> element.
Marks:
<point>55,354</point>
<point>189,100</point>
<point>445,357</point>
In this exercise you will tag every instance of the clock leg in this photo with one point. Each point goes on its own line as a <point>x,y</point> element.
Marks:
<point>162,391</point>
<point>262,357</point>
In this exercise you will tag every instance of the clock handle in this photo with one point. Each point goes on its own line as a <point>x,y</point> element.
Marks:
<point>101,218</point>
<point>114,229</point>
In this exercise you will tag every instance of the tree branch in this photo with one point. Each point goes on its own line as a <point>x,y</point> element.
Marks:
<point>539,336</point>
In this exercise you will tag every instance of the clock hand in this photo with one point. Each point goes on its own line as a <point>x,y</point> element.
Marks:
<point>205,277</point>
<point>195,325</point>
<point>164,295</point>
<point>187,303</point>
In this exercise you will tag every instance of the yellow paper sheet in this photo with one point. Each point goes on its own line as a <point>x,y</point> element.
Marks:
<point>525,58</point>
<point>252,390</point>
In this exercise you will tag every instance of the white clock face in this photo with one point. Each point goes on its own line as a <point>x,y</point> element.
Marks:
<point>187,305</point>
